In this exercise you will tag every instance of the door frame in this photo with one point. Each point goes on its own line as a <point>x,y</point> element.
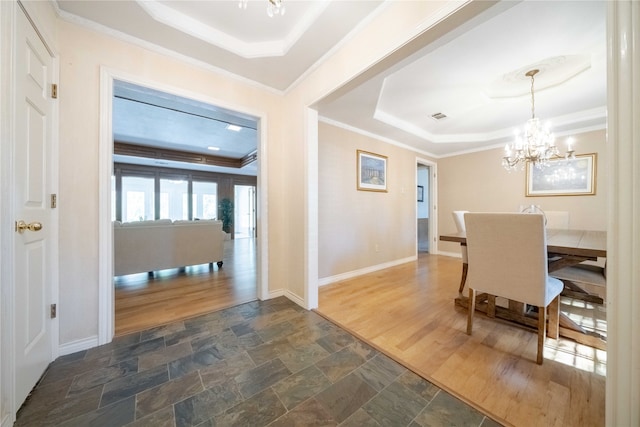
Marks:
<point>106,293</point>
<point>433,196</point>
<point>8,17</point>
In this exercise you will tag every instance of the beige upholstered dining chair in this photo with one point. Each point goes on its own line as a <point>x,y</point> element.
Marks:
<point>458,217</point>
<point>508,258</point>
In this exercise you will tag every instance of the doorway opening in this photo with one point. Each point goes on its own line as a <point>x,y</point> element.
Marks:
<point>245,212</point>
<point>423,208</point>
<point>171,168</point>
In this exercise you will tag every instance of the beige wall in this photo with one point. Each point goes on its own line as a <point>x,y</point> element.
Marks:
<point>360,229</point>
<point>478,182</point>
<point>82,53</point>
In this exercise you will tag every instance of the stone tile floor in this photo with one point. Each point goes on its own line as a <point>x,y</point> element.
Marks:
<point>261,363</point>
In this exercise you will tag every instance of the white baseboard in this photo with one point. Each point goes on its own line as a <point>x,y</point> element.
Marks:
<point>275,294</point>
<point>287,294</point>
<point>295,298</point>
<point>355,273</point>
<point>78,345</point>
<point>451,254</point>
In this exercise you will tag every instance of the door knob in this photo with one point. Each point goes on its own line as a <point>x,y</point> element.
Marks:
<point>21,226</point>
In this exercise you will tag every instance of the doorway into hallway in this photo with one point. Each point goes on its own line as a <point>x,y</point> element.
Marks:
<point>245,211</point>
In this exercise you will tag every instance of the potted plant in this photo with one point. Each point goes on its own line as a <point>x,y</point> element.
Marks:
<point>226,214</point>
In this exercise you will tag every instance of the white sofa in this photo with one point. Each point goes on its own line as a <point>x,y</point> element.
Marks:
<point>144,246</point>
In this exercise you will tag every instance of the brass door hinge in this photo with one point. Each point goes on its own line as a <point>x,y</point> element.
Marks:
<point>54,311</point>
<point>54,91</point>
<point>54,201</point>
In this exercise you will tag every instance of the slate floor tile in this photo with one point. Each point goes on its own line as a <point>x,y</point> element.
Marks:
<point>360,418</point>
<point>163,356</point>
<point>62,410</point>
<point>445,409</point>
<point>268,351</point>
<point>261,377</point>
<point>396,405</point>
<point>345,397</point>
<point>488,422</point>
<point>276,331</point>
<point>162,418</point>
<point>259,410</point>
<point>136,383</point>
<point>225,370</point>
<point>308,414</point>
<point>206,404</point>
<point>380,371</point>
<point>419,385</point>
<point>88,380</point>
<point>117,414</point>
<point>162,331</point>
<point>166,394</point>
<point>123,353</point>
<point>193,362</point>
<point>335,340</point>
<point>60,371</point>
<point>340,363</point>
<point>299,358</point>
<point>300,386</point>
<point>187,335</point>
<point>45,397</point>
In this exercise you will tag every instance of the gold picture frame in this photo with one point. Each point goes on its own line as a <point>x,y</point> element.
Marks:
<point>371,171</point>
<point>562,177</point>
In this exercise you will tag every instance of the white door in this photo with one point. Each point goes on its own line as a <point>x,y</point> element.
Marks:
<point>33,246</point>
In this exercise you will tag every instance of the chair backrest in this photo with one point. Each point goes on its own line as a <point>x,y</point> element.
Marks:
<point>508,255</point>
<point>458,217</point>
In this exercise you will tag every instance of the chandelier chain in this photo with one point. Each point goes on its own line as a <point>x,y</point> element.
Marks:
<point>533,102</point>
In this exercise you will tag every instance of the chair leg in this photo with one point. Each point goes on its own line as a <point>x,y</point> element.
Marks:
<point>463,280</point>
<point>542,331</point>
<point>554,318</point>
<point>472,309</point>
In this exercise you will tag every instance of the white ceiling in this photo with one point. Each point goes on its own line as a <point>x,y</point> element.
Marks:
<point>475,75</point>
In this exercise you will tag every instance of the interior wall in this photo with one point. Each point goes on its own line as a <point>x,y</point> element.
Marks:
<point>478,182</point>
<point>83,53</point>
<point>360,229</point>
<point>368,46</point>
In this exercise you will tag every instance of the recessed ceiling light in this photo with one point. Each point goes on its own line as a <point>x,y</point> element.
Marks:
<point>213,148</point>
<point>234,128</point>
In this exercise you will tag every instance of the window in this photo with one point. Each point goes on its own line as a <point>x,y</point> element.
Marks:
<point>138,198</point>
<point>205,200</point>
<point>174,200</point>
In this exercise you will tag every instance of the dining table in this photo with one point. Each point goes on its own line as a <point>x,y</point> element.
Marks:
<point>564,248</point>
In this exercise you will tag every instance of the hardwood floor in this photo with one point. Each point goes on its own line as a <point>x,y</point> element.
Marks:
<point>143,301</point>
<point>408,312</point>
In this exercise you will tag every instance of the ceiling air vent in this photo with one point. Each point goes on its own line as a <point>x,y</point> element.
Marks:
<point>438,116</point>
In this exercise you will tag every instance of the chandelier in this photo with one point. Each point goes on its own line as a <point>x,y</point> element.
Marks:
<point>537,143</point>
<point>275,7</point>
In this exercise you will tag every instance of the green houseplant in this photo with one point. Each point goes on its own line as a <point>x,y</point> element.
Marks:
<point>226,214</point>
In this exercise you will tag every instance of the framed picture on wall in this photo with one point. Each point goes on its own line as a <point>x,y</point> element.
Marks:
<point>372,171</point>
<point>420,193</point>
<point>573,177</point>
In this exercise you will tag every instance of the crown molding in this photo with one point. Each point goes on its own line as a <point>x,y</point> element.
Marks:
<point>189,25</point>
